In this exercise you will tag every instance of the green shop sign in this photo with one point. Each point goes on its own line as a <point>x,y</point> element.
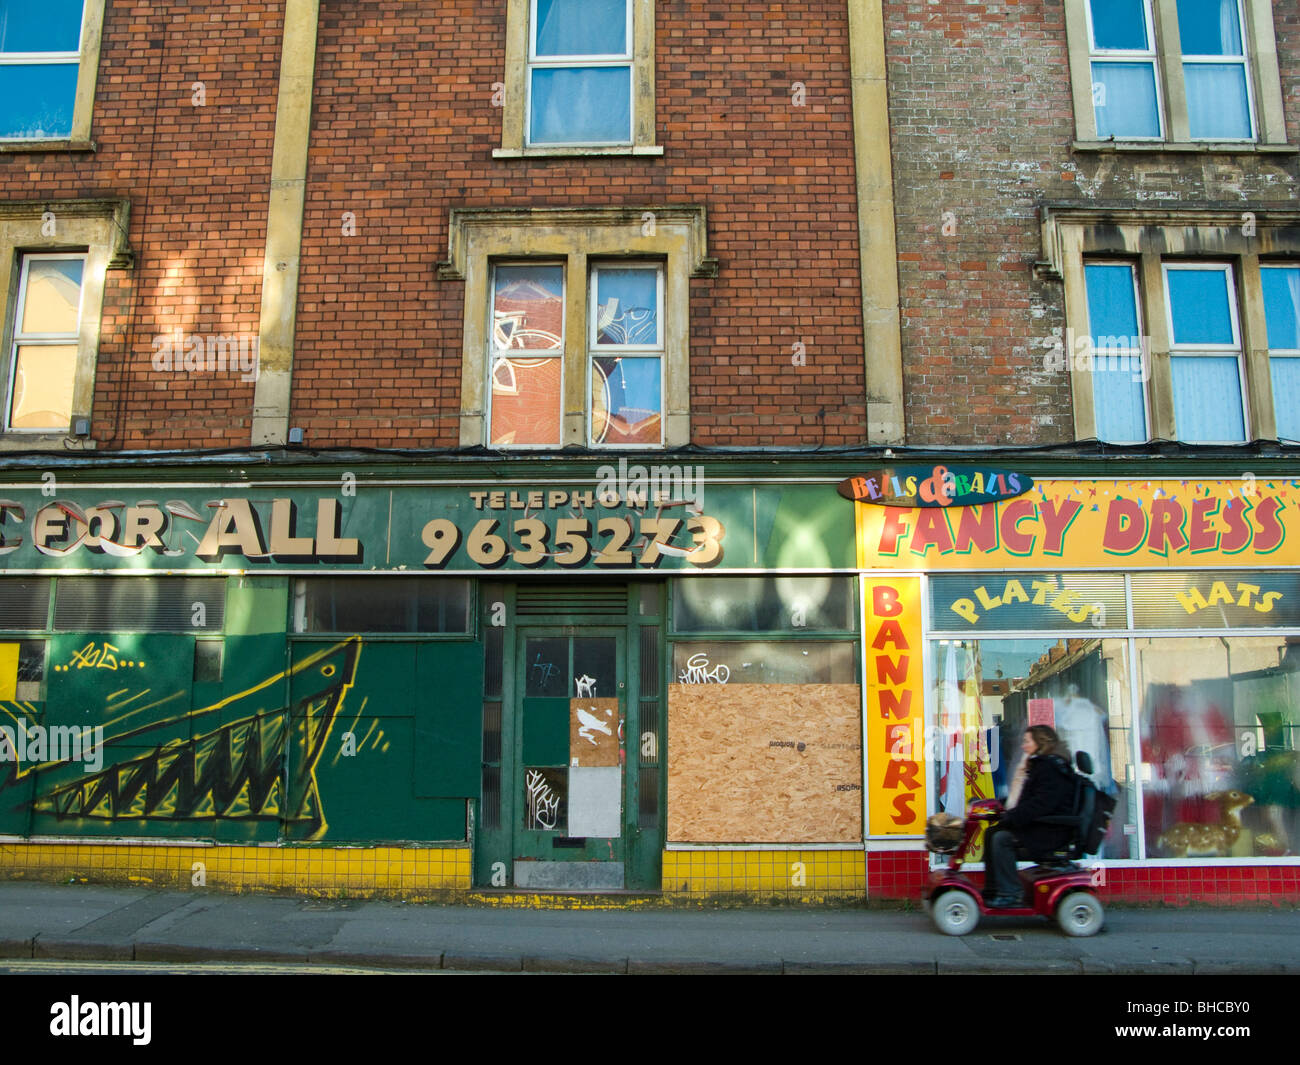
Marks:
<point>614,525</point>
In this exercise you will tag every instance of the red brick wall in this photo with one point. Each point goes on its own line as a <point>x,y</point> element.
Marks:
<point>198,181</point>
<point>403,130</point>
<point>982,124</point>
<point>902,875</point>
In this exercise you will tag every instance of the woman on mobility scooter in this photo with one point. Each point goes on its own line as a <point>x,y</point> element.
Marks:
<point>1043,787</point>
<point>1058,888</point>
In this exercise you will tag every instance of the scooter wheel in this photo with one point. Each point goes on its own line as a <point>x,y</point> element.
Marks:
<point>955,913</point>
<point>1080,914</point>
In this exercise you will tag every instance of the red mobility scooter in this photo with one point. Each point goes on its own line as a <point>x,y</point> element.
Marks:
<point>1057,888</point>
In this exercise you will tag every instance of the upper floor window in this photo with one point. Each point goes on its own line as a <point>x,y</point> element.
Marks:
<point>1175,71</point>
<point>54,259</point>
<point>1205,352</point>
<point>579,78</point>
<point>1181,326</point>
<point>587,342</point>
<point>49,56</point>
<point>621,356</point>
<point>1281,285</point>
<point>46,335</point>
<point>580,72</point>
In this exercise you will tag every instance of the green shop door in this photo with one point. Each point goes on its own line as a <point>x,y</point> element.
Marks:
<point>570,792</point>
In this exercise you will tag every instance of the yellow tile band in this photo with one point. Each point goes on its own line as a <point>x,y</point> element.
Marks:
<point>405,871</point>
<point>796,875</point>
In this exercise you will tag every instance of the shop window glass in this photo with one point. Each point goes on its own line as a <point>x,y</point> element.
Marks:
<point>1006,603</point>
<point>24,603</point>
<point>31,671</point>
<point>750,662</point>
<point>1220,723</point>
<point>368,604</point>
<point>146,604</point>
<point>989,691</point>
<point>1215,600</point>
<point>764,604</point>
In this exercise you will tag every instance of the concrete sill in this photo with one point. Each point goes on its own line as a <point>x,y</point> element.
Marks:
<point>24,147</point>
<point>1188,147</point>
<point>60,442</point>
<point>562,152</point>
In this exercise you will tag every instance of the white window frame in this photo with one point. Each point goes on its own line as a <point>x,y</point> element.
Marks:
<point>609,61</point>
<point>479,236</point>
<point>38,340</point>
<point>1280,353</point>
<point>1150,56</point>
<point>496,354</point>
<point>1263,80</point>
<point>1142,356</point>
<point>1224,60</point>
<point>595,350</point>
<point>86,59</point>
<point>1177,350</point>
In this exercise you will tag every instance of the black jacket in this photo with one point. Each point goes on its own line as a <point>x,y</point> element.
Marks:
<point>1049,789</point>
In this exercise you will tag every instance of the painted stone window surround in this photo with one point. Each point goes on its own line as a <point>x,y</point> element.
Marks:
<point>1265,84</point>
<point>514,140</point>
<point>577,237</point>
<point>87,73</point>
<point>1153,239</point>
<point>97,228</point>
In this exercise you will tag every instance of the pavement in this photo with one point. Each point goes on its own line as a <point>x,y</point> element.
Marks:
<point>81,923</point>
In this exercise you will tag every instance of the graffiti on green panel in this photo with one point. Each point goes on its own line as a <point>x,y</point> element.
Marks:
<point>230,766</point>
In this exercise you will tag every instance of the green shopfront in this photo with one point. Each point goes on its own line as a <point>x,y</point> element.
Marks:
<point>373,679</point>
<point>715,678</point>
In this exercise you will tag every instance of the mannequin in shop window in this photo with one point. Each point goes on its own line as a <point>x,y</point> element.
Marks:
<point>1081,724</point>
<point>1043,786</point>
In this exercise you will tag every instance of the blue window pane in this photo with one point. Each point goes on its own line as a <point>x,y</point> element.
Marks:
<point>1112,307</point>
<point>627,401</point>
<point>1207,400</point>
<point>1217,105</point>
<point>1209,27</point>
<point>1119,400</point>
<point>36,101</point>
<point>47,26</point>
<point>1286,397</point>
<point>1282,307</point>
<point>581,27</point>
<point>581,106</point>
<point>1199,302</point>
<point>528,307</point>
<point>1124,98</point>
<point>1119,24</point>
<point>627,306</point>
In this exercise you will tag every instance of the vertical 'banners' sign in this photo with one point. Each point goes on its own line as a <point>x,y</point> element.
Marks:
<point>895,706</point>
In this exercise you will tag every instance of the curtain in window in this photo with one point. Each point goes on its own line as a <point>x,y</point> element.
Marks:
<point>1207,399</point>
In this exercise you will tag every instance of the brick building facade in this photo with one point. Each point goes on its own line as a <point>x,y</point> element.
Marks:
<point>264,269</point>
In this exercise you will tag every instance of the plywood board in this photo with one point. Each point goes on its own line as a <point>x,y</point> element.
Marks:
<point>593,732</point>
<point>764,763</point>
